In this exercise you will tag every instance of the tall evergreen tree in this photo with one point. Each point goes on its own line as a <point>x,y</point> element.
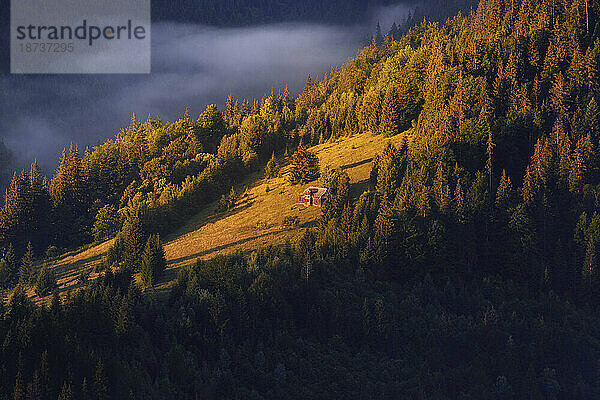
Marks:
<point>69,191</point>
<point>46,282</point>
<point>390,169</point>
<point>391,118</point>
<point>19,388</point>
<point>304,166</point>
<point>153,261</point>
<point>9,268</point>
<point>66,392</point>
<point>39,209</point>
<point>134,239</point>
<point>100,382</point>
<point>378,35</point>
<point>13,216</point>
<point>45,377</point>
<point>384,224</point>
<point>272,168</point>
<point>27,271</point>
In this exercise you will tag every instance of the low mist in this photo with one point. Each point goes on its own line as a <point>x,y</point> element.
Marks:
<point>192,66</point>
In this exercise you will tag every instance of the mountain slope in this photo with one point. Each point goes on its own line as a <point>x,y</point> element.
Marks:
<point>254,222</point>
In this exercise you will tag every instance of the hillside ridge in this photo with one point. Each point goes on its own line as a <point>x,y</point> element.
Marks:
<point>254,222</point>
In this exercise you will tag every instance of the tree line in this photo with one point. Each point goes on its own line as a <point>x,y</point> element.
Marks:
<point>467,269</point>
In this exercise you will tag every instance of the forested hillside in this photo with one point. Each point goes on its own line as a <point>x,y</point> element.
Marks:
<point>468,269</point>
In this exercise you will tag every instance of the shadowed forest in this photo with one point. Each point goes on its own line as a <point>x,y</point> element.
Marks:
<point>466,269</point>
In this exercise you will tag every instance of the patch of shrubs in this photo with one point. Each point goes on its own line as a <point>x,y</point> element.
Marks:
<point>291,221</point>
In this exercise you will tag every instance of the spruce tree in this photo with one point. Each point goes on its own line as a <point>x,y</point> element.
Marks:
<point>85,391</point>
<point>70,196</point>
<point>9,269</point>
<point>441,189</point>
<point>45,377</point>
<point>153,261</point>
<point>19,388</point>
<point>272,168</point>
<point>304,166</point>
<point>390,169</point>
<point>384,224</point>
<point>46,282</point>
<point>107,223</point>
<point>27,271</point>
<point>134,239</point>
<point>592,120</point>
<point>39,209</point>
<point>394,32</point>
<point>589,266</point>
<point>391,123</point>
<point>100,382</point>
<point>66,393</point>
<point>505,191</point>
<point>378,35</point>
<point>14,213</point>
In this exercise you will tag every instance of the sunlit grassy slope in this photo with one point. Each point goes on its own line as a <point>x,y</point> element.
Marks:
<point>256,219</point>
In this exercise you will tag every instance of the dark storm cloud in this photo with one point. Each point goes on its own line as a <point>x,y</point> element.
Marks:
<point>192,67</point>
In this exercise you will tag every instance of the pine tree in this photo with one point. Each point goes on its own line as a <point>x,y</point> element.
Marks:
<point>10,268</point>
<point>394,33</point>
<point>45,378</point>
<point>592,120</point>
<point>33,388</point>
<point>4,274</point>
<point>304,166</point>
<point>505,191</point>
<point>384,230</point>
<point>85,391</point>
<point>391,168</point>
<point>367,319</point>
<point>231,111</point>
<point>580,162</point>
<point>305,250</point>
<point>56,307</point>
<point>19,388</point>
<point>66,393</point>
<point>590,263</point>
<point>391,118</point>
<point>490,158</point>
<point>459,201</point>
<point>69,189</point>
<point>107,223</point>
<point>39,208</point>
<point>441,189</point>
<point>46,282</point>
<point>134,239</point>
<point>27,271</point>
<point>153,261</point>
<point>272,168</point>
<point>558,97</point>
<point>100,382</point>
<point>593,67</point>
<point>378,35</point>
<point>14,214</point>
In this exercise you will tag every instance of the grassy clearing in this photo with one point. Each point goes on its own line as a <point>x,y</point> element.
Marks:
<point>255,221</point>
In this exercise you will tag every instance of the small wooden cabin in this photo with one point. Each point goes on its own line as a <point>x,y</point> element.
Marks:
<point>313,196</point>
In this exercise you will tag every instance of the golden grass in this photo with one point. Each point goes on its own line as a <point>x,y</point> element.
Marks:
<point>256,219</point>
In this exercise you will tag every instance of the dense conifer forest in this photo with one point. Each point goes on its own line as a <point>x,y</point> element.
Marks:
<point>467,270</point>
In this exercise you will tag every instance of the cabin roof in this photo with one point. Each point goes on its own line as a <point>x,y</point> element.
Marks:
<point>315,191</point>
